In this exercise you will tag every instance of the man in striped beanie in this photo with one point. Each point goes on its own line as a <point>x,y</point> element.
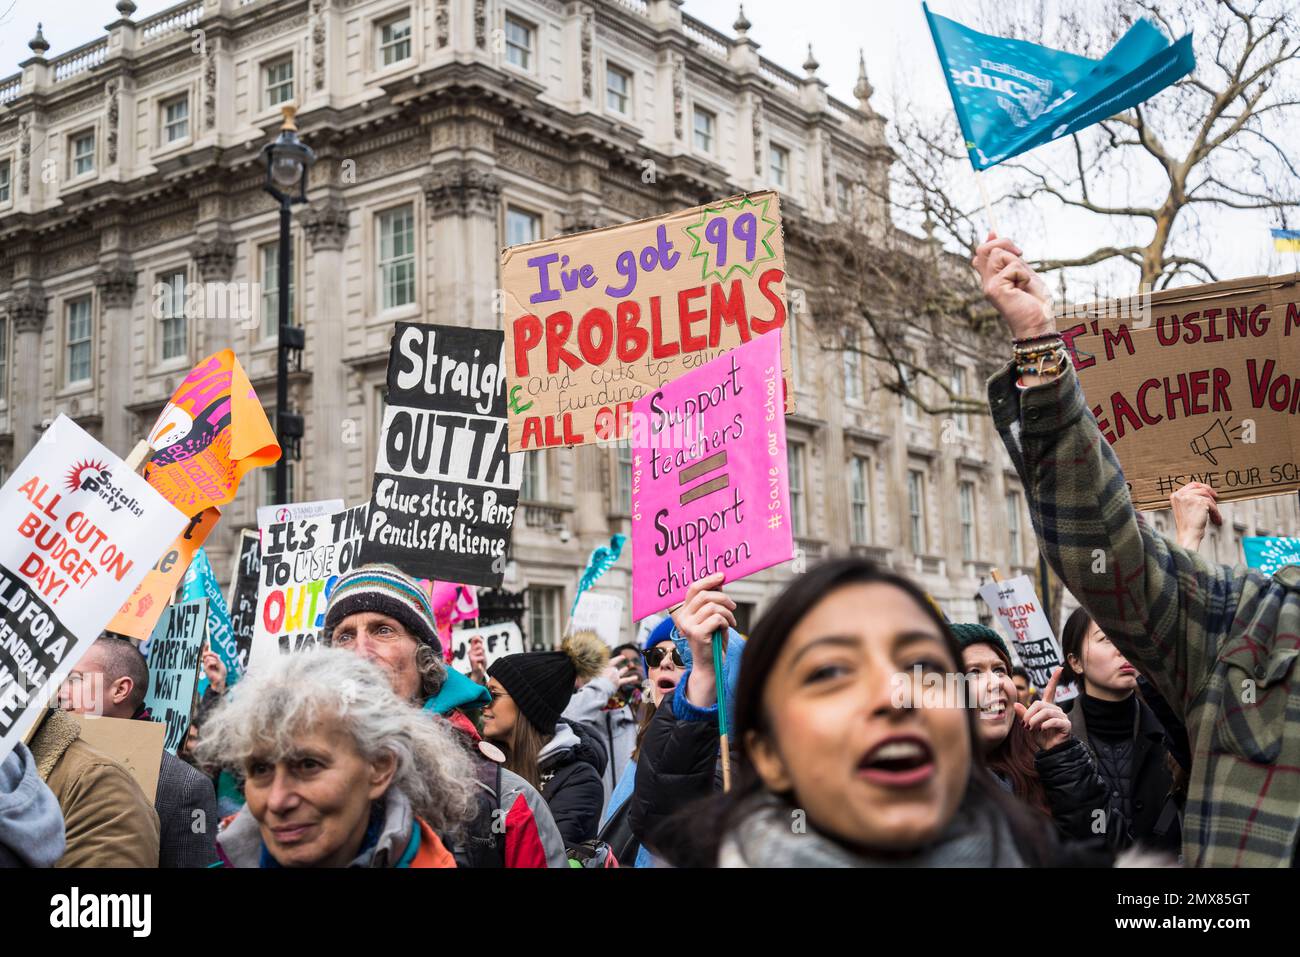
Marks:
<point>384,615</point>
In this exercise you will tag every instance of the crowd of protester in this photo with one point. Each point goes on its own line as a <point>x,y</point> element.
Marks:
<point>374,752</point>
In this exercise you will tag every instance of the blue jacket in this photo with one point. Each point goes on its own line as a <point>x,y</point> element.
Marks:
<point>683,710</point>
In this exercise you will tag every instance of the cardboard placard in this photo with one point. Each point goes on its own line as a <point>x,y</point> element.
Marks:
<point>243,594</point>
<point>78,532</point>
<point>136,745</point>
<point>297,511</point>
<point>136,618</point>
<point>301,562</point>
<point>1020,617</point>
<point>209,435</point>
<point>710,489</point>
<point>596,320</point>
<point>200,583</point>
<point>602,614</point>
<point>446,486</point>
<point>174,651</point>
<point>498,641</point>
<point>1198,384</point>
<point>1268,554</point>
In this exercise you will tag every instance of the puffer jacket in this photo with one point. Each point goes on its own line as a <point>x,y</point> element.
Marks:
<point>1134,798</point>
<point>571,765</point>
<point>108,820</point>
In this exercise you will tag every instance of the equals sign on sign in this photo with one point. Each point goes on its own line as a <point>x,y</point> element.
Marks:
<point>700,469</point>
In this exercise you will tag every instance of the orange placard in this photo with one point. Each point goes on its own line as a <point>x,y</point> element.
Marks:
<point>142,610</point>
<point>211,432</point>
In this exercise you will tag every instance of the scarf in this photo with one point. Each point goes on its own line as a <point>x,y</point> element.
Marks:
<point>977,836</point>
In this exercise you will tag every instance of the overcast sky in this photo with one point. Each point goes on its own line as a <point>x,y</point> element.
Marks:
<point>899,56</point>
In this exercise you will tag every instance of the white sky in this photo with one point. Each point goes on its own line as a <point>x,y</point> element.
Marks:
<point>900,58</point>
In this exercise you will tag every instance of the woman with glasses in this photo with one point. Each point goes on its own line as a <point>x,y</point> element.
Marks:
<point>562,759</point>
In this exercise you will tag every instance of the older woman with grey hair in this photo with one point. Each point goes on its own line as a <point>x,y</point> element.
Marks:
<point>338,771</point>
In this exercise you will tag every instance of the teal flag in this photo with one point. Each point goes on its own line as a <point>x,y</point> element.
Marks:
<point>200,582</point>
<point>1268,554</point>
<point>1011,95</point>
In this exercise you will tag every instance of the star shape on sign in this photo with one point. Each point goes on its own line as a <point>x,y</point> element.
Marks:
<point>763,249</point>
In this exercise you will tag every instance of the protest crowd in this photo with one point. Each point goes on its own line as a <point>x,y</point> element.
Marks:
<point>369,725</point>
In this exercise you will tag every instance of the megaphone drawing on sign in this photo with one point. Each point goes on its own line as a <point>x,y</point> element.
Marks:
<point>1212,440</point>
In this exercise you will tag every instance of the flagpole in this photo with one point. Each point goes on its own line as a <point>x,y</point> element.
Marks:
<point>988,207</point>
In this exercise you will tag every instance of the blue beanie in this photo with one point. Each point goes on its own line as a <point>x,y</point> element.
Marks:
<point>662,632</point>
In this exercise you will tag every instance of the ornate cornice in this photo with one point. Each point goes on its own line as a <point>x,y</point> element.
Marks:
<point>326,224</point>
<point>462,189</point>
<point>215,259</point>
<point>116,285</point>
<point>27,310</point>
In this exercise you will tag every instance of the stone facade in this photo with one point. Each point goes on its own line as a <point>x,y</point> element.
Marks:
<point>446,129</point>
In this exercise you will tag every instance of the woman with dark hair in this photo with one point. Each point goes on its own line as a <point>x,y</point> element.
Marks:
<point>840,761</point>
<point>1133,750</point>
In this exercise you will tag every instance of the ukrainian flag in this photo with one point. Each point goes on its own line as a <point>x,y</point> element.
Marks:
<point>1286,240</point>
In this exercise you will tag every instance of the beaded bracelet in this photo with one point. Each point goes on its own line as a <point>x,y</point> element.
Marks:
<point>1045,337</point>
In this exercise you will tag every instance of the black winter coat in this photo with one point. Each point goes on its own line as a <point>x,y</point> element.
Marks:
<point>1134,794</point>
<point>572,786</point>
<point>677,764</point>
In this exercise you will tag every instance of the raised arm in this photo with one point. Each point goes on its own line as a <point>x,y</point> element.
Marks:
<point>1160,603</point>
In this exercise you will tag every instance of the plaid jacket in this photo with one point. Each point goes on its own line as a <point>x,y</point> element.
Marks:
<point>1219,643</point>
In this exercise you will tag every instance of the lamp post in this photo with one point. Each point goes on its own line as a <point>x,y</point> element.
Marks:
<point>287,162</point>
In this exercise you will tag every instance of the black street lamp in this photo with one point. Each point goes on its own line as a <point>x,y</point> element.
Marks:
<point>287,162</point>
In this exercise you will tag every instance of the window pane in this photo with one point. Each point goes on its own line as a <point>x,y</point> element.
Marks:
<point>522,226</point>
<point>279,82</point>
<point>176,120</point>
<point>397,257</point>
<point>794,463</point>
<point>623,460</point>
<point>533,487</point>
<point>542,630</point>
<point>780,161</point>
<point>173,335</point>
<point>704,131</point>
<point>966,493</point>
<point>4,359</point>
<point>395,41</point>
<point>83,154</point>
<point>859,499</point>
<point>852,366</point>
<point>78,341</point>
<point>519,43</point>
<point>4,182</point>
<point>916,513</point>
<point>618,87</point>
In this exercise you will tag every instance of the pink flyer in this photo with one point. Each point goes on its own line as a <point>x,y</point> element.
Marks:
<point>710,491</point>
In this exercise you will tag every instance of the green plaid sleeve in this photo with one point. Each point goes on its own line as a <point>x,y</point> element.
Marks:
<point>1164,607</point>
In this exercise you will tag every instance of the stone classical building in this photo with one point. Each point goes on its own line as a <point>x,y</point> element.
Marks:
<point>135,238</point>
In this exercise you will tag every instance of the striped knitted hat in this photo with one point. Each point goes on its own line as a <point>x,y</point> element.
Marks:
<point>387,591</point>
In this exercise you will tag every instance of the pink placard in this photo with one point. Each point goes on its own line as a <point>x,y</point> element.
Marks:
<point>710,491</point>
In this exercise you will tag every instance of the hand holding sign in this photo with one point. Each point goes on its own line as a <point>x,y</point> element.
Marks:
<point>477,660</point>
<point>1046,723</point>
<point>1194,507</point>
<point>707,610</point>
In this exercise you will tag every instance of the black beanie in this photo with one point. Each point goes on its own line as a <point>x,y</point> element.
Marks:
<point>540,682</point>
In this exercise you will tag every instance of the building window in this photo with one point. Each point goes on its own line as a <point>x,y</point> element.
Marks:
<point>519,42</point>
<point>966,503</point>
<point>794,464</point>
<point>543,617</point>
<point>83,154</point>
<point>268,486</point>
<point>623,463</point>
<point>397,257</point>
<point>77,342</point>
<point>705,124</point>
<point>277,79</point>
<point>916,510</point>
<point>5,181</point>
<point>395,40</point>
<point>1013,527</point>
<point>911,385</point>
<point>779,159</point>
<point>852,366</point>
<point>270,256</point>
<point>173,338</point>
<point>533,487</point>
<point>860,499</point>
<point>958,386</point>
<point>843,196</point>
<point>176,119</point>
<point>618,89</point>
<point>522,226</point>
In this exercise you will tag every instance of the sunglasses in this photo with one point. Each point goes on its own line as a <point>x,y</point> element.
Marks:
<point>655,657</point>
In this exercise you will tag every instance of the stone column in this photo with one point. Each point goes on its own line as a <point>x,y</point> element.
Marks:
<point>463,200</point>
<point>116,281</point>
<point>27,311</point>
<point>214,261</point>
<point>326,225</point>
